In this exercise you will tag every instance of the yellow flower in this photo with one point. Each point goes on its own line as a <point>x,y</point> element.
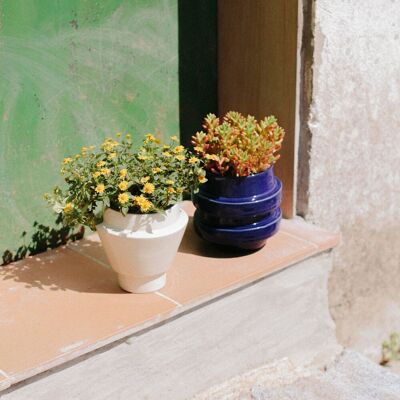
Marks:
<point>100,164</point>
<point>142,157</point>
<point>199,149</point>
<point>109,144</point>
<point>78,156</point>
<point>156,170</point>
<point>193,160</point>
<point>128,136</point>
<point>144,180</point>
<point>67,160</point>
<point>180,157</point>
<point>84,149</point>
<point>68,208</point>
<point>174,138</point>
<point>167,154</point>
<point>62,171</point>
<point>179,149</point>
<point>111,156</point>
<point>144,204</point>
<point>171,190</point>
<point>166,146</point>
<point>105,171</point>
<point>179,190</point>
<point>211,157</point>
<point>123,185</point>
<point>96,174</point>
<point>202,179</point>
<point>100,188</point>
<point>169,182</point>
<point>92,147</point>
<point>148,188</point>
<point>150,138</point>
<point>123,173</point>
<point>123,198</point>
<point>119,134</point>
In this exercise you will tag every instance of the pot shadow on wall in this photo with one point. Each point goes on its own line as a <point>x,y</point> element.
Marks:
<point>43,238</point>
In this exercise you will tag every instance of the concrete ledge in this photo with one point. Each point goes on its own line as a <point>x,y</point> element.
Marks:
<point>281,321</point>
<point>64,303</point>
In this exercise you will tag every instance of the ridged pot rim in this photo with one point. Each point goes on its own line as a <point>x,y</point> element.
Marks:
<point>272,219</point>
<point>238,178</point>
<point>241,201</point>
<point>239,186</point>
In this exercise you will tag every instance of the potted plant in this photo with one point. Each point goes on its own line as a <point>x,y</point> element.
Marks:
<point>131,198</point>
<point>239,204</point>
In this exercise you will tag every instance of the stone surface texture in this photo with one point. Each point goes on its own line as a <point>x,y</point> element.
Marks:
<point>355,163</point>
<point>283,319</point>
<point>351,377</point>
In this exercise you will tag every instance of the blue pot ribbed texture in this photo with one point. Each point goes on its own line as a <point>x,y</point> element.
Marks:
<point>241,212</point>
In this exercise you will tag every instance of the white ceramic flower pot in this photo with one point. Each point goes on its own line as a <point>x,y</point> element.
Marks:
<point>141,247</point>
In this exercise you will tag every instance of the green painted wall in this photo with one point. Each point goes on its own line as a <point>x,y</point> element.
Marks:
<point>72,72</point>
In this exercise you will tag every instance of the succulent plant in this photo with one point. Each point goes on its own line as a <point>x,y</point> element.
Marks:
<point>237,145</point>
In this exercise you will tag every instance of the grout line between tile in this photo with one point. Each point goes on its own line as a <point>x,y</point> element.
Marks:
<point>301,239</point>
<point>168,298</point>
<point>96,260</point>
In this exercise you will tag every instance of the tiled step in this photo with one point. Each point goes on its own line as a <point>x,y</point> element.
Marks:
<point>61,304</point>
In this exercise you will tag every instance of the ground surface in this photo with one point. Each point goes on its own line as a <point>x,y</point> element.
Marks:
<point>283,316</point>
<point>351,377</point>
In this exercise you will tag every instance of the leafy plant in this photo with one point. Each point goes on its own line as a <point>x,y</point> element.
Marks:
<point>238,145</point>
<point>391,349</point>
<point>115,176</point>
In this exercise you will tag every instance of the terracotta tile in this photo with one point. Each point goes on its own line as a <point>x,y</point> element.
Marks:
<point>299,228</point>
<point>201,270</point>
<point>58,305</point>
<point>90,247</point>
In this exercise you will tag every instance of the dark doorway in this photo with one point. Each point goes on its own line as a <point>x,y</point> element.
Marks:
<point>197,64</point>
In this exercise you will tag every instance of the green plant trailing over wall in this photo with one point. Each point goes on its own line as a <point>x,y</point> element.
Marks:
<point>238,145</point>
<point>116,176</point>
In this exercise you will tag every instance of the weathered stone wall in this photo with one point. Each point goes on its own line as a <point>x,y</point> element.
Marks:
<point>354,182</point>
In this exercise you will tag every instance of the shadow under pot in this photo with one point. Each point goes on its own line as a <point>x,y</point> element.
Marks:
<point>241,212</point>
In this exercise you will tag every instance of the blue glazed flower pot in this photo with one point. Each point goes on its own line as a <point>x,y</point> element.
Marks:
<point>239,211</point>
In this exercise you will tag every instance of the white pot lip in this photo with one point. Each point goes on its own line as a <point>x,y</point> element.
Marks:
<point>168,210</point>
<point>116,221</point>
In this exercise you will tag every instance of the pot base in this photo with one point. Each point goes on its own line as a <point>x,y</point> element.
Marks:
<point>133,284</point>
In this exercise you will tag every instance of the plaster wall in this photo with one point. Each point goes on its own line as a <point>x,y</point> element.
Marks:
<point>354,182</point>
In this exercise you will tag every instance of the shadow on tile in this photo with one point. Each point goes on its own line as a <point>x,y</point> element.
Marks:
<point>193,244</point>
<point>61,269</point>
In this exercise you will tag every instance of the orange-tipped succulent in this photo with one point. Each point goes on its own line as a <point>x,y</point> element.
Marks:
<point>238,146</point>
